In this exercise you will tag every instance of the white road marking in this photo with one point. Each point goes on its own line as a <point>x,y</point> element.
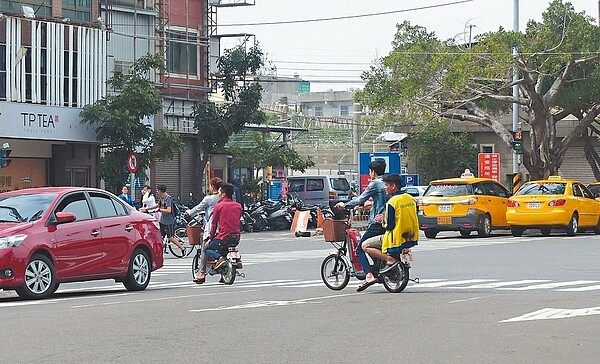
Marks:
<point>502,284</point>
<point>580,289</point>
<point>549,285</point>
<point>260,304</point>
<point>453,283</point>
<point>555,313</point>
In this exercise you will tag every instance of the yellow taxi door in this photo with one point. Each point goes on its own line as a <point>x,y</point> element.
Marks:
<point>497,197</point>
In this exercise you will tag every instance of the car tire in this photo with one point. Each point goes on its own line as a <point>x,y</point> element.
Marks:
<point>465,233</point>
<point>597,228</point>
<point>516,231</point>
<point>431,233</point>
<point>485,226</point>
<point>573,226</point>
<point>138,274</point>
<point>545,231</point>
<point>40,279</point>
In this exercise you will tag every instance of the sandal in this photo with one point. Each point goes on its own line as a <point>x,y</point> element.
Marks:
<point>366,285</point>
<point>200,280</point>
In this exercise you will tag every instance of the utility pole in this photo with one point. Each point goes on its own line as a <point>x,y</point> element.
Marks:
<point>515,88</point>
<point>356,114</point>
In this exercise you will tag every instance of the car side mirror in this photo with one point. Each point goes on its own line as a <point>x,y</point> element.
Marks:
<point>64,217</point>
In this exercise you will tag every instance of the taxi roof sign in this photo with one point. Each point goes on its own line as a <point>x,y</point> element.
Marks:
<point>553,178</point>
<point>467,174</point>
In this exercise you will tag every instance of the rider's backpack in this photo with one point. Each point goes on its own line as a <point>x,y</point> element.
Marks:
<point>174,208</point>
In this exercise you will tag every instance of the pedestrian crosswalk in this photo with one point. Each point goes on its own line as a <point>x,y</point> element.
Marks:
<point>423,285</point>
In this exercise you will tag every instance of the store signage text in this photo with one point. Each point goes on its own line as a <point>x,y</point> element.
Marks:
<point>41,120</point>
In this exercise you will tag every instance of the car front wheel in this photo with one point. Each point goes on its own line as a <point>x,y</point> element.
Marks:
<point>40,279</point>
<point>138,275</point>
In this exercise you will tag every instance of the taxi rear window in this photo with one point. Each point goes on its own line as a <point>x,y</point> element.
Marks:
<point>595,189</point>
<point>542,188</point>
<point>449,190</point>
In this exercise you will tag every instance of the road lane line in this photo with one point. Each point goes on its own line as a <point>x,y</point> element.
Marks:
<point>452,283</point>
<point>505,283</point>
<point>550,285</point>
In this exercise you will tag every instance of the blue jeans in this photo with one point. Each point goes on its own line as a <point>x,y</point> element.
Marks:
<point>372,230</point>
<point>216,247</point>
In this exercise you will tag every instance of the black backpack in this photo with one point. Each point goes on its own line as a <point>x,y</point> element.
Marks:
<point>174,209</point>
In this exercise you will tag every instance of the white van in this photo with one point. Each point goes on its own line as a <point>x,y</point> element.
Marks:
<point>319,190</point>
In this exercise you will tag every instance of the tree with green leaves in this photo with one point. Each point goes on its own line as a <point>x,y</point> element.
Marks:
<point>264,152</point>
<point>441,154</point>
<point>217,122</point>
<point>558,63</point>
<point>121,122</point>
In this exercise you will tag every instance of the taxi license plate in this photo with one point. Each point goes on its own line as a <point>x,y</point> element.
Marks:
<point>534,205</point>
<point>444,220</point>
<point>445,208</point>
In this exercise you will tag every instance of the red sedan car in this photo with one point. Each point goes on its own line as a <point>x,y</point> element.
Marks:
<point>54,235</point>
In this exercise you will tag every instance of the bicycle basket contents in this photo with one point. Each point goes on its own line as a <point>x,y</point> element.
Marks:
<point>334,230</point>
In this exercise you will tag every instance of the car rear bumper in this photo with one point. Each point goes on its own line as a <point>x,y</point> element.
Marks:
<point>532,219</point>
<point>466,222</point>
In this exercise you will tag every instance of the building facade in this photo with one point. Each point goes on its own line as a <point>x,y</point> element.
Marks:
<point>52,63</point>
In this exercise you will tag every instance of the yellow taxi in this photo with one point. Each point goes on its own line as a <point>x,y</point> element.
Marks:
<point>553,203</point>
<point>463,204</point>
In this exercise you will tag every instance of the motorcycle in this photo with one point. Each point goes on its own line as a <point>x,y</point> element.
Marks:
<point>338,267</point>
<point>229,270</point>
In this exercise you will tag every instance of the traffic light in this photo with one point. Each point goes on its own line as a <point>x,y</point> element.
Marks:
<point>518,140</point>
<point>4,156</point>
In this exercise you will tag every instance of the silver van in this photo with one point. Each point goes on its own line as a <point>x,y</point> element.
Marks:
<point>319,190</point>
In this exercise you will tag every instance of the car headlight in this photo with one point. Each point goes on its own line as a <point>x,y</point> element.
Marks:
<point>12,241</point>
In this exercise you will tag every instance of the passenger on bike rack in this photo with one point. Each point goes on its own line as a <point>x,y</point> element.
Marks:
<point>207,205</point>
<point>225,225</point>
<point>401,225</point>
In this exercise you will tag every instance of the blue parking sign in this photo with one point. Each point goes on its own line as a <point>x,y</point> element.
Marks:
<point>409,180</point>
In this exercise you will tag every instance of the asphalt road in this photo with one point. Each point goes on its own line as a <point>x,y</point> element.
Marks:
<point>532,299</point>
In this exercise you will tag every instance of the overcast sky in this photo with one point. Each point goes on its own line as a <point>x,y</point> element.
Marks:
<point>340,49</point>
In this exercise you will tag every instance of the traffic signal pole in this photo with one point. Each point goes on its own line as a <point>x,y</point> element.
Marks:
<point>515,89</point>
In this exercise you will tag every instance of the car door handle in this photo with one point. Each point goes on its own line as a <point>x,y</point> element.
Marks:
<point>128,228</point>
<point>95,232</point>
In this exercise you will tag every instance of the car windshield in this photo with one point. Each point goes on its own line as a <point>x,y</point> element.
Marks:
<point>542,188</point>
<point>340,184</point>
<point>449,190</point>
<point>22,208</point>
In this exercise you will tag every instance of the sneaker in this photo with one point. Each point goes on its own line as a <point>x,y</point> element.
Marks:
<point>219,263</point>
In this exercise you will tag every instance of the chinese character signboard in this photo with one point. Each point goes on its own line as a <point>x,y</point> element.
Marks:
<point>489,165</point>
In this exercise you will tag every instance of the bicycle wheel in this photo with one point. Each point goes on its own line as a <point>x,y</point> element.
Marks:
<point>196,265</point>
<point>177,252</point>
<point>334,272</point>
<point>181,232</point>
<point>396,279</point>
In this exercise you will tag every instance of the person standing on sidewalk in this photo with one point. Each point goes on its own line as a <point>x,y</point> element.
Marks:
<point>376,192</point>
<point>167,217</point>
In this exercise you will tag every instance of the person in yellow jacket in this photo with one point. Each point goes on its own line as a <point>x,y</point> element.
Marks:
<point>401,225</point>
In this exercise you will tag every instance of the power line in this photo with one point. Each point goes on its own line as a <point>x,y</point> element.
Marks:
<point>323,63</point>
<point>320,69</point>
<point>345,17</point>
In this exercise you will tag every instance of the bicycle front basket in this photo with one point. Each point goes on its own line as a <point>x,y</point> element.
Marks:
<point>334,230</point>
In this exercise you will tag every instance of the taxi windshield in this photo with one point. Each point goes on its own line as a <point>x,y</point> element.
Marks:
<point>542,188</point>
<point>449,190</point>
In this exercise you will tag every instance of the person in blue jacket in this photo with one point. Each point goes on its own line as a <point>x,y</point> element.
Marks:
<point>376,193</point>
<point>125,195</point>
